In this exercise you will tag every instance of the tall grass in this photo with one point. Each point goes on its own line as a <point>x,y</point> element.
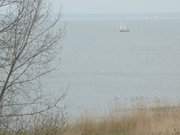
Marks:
<point>142,120</point>
<point>156,120</point>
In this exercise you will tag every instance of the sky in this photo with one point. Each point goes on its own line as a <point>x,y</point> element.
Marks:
<point>116,6</point>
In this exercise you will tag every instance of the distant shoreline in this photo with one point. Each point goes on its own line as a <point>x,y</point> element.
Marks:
<point>147,16</point>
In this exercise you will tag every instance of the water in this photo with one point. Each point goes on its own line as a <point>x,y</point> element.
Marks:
<point>100,64</point>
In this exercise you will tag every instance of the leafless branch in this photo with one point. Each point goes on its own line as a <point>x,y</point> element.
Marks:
<point>27,45</point>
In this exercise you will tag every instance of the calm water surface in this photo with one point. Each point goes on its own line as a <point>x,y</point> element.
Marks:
<point>100,64</point>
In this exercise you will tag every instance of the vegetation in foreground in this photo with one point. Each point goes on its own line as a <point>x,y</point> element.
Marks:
<point>158,120</point>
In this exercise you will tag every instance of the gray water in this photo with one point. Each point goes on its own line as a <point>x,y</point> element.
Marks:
<point>100,64</point>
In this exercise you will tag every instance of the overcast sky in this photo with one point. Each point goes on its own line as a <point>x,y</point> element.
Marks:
<point>116,6</point>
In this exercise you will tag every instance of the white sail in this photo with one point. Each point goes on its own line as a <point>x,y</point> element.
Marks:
<point>124,29</point>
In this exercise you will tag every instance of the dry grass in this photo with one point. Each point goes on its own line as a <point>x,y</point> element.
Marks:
<point>157,120</point>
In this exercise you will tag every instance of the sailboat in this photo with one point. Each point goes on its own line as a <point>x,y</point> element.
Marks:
<point>124,29</point>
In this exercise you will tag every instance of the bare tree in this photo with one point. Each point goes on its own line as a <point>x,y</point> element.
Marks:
<point>28,44</point>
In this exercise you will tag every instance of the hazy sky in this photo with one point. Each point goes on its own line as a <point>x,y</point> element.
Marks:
<point>116,6</point>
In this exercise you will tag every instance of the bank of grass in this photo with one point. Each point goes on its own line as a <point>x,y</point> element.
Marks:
<point>143,120</point>
<point>154,120</point>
